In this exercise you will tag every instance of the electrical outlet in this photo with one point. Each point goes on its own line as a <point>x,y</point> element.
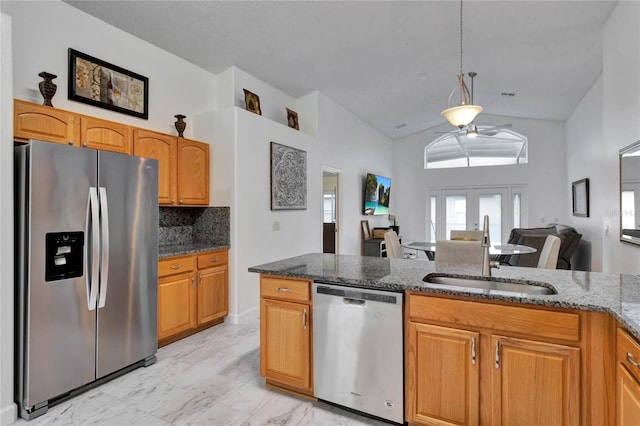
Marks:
<point>276,226</point>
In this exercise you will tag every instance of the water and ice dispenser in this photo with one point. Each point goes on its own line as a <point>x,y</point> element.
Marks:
<point>64,255</point>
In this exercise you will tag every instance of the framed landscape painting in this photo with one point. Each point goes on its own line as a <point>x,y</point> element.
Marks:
<point>99,83</point>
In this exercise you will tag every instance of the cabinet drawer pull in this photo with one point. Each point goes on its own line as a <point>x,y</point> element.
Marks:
<point>631,361</point>
<point>497,353</point>
<point>200,279</point>
<point>178,266</point>
<point>284,290</point>
<point>304,318</point>
<point>215,259</point>
<point>193,281</point>
<point>473,351</point>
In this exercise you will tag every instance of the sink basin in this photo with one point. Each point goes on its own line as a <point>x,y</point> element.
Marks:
<point>490,285</point>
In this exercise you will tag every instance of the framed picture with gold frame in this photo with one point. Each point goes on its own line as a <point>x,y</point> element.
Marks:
<point>292,119</point>
<point>252,102</point>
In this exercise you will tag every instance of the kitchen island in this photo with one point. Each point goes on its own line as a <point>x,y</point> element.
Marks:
<point>559,347</point>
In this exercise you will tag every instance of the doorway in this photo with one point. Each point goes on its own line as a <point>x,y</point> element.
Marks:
<point>330,210</point>
<point>465,208</point>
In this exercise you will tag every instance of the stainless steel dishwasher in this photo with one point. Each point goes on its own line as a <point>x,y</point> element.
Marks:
<point>358,349</point>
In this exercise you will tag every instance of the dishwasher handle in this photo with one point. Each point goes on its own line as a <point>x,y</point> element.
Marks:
<point>350,301</point>
<point>359,296</point>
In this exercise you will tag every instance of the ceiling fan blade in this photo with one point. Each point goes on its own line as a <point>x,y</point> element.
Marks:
<point>492,131</point>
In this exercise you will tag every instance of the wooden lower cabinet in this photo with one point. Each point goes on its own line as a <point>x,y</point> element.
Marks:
<point>286,334</point>
<point>176,305</point>
<point>446,357</point>
<point>627,380</point>
<point>213,301</point>
<point>536,381</point>
<point>191,297</point>
<point>463,369</point>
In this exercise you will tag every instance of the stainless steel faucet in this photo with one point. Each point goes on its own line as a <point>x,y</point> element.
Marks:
<point>487,263</point>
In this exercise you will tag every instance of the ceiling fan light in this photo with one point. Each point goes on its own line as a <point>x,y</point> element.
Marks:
<point>472,131</point>
<point>461,115</point>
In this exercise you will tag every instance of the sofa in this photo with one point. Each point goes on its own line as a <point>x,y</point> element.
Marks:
<point>535,237</point>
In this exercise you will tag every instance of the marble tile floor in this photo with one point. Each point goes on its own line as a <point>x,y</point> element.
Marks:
<point>211,378</point>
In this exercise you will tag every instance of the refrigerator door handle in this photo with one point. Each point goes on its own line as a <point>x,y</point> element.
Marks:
<point>104,267</point>
<point>92,282</point>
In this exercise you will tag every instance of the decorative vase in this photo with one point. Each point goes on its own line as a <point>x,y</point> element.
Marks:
<point>47,87</point>
<point>180,124</point>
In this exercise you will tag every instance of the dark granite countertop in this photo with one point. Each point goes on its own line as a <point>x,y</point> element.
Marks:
<point>617,294</point>
<point>190,248</point>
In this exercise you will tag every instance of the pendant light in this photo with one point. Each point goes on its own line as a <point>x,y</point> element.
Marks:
<point>465,111</point>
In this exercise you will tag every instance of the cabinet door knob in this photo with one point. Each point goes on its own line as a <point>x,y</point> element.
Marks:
<point>180,201</point>
<point>70,142</point>
<point>85,144</point>
<point>173,201</point>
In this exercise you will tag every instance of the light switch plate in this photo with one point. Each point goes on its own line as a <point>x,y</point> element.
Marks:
<point>276,226</point>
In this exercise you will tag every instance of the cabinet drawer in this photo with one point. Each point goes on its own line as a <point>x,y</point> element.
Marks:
<point>289,289</point>
<point>213,258</point>
<point>515,319</point>
<point>176,265</point>
<point>628,353</point>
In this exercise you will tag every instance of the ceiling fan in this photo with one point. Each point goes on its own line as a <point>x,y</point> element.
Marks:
<point>471,130</point>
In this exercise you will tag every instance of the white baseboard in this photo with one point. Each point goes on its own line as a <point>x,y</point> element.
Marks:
<point>8,414</point>
<point>246,316</point>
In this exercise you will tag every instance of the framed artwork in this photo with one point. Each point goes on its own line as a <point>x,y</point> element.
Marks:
<point>252,102</point>
<point>366,231</point>
<point>580,196</point>
<point>99,83</point>
<point>292,119</point>
<point>288,178</point>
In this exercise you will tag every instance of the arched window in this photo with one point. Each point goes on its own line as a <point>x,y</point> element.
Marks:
<point>492,146</point>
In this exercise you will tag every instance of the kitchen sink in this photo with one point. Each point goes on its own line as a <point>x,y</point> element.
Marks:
<point>490,285</point>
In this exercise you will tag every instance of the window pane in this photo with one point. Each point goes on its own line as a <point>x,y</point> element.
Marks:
<point>329,208</point>
<point>456,213</point>
<point>517,203</point>
<point>432,227</point>
<point>491,204</point>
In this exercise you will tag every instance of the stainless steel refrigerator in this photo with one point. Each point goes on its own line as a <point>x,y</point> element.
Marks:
<point>86,269</point>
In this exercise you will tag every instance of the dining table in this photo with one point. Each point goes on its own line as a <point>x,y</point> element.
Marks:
<point>498,249</point>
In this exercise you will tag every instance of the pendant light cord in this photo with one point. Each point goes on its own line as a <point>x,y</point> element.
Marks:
<point>460,37</point>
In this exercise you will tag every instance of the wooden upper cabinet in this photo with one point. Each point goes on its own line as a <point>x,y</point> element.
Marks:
<point>40,122</point>
<point>163,148</point>
<point>105,135</point>
<point>193,172</point>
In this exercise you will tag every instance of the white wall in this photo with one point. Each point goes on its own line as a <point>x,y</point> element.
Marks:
<point>7,408</point>
<point>585,145</point>
<point>544,175</point>
<point>621,126</point>
<point>240,143</point>
<point>44,30</point>
<point>38,34</point>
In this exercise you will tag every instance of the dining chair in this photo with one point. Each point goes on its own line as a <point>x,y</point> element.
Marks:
<point>452,252</point>
<point>394,249</point>
<point>549,254</point>
<point>466,235</point>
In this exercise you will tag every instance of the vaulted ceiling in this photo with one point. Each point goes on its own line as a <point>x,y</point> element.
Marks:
<point>392,63</point>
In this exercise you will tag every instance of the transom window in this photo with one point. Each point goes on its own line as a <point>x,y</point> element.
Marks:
<point>490,147</point>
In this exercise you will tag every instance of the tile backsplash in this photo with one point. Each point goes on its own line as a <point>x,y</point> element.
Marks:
<point>187,225</point>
